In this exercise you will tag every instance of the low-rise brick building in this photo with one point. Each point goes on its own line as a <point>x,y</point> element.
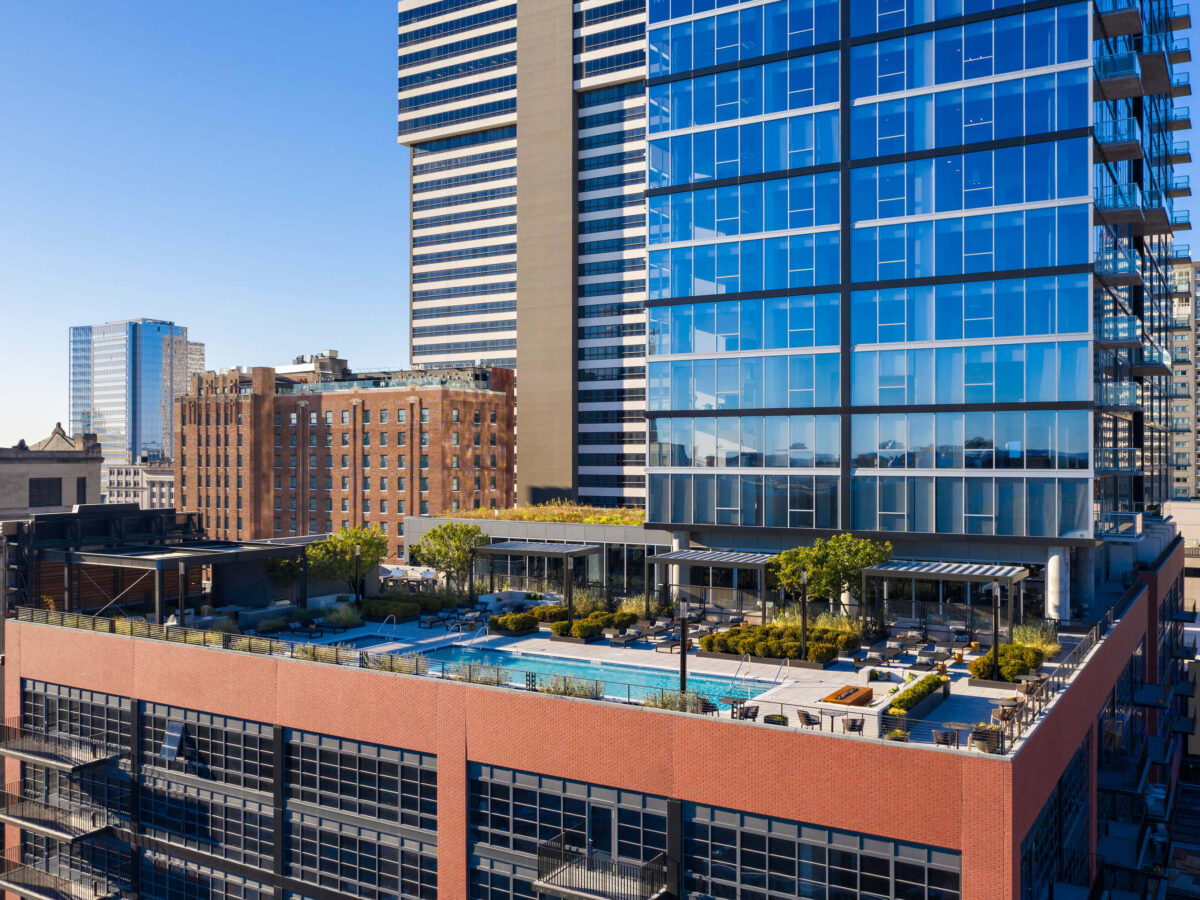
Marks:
<point>313,448</point>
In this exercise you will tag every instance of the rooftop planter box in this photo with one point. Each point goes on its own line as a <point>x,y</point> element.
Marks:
<point>769,660</point>
<point>937,692</point>
<point>568,639</point>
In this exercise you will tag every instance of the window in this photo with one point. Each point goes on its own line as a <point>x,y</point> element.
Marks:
<point>401,416</point>
<point>345,417</point>
<point>81,490</point>
<point>366,417</point>
<point>424,416</point>
<point>45,492</point>
<point>454,415</point>
<point>383,417</point>
<point>424,461</point>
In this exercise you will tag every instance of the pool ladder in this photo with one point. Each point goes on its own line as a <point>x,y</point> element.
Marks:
<point>395,625</point>
<point>784,663</point>
<point>745,660</point>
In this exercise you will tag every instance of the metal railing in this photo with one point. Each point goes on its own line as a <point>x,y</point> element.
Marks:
<point>564,863</point>
<point>63,750</point>
<point>38,814</point>
<point>579,687</point>
<point>24,877</point>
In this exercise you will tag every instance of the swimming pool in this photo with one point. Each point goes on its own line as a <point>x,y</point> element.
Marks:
<point>364,641</point>
<point>621,682</point>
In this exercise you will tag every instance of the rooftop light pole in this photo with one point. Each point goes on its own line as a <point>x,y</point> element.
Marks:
<point>804,613</point>
<point>357,583</point>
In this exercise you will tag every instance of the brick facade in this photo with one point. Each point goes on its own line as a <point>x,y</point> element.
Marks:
<point>262,455</point>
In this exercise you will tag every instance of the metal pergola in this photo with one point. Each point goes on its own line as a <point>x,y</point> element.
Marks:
<point>995,574</point>
<point>160,559</point>
<point>713,559</point>
<point>567,553</point>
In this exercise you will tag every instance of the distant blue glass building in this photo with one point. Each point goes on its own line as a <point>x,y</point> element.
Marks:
<point>124,380</point>
<point>909,273</point>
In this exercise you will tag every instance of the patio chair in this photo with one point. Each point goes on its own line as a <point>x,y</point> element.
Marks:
<point>921,666</point>
<point>669,644</point>
<point>708,707</point>
<point>775,719</point>
<point>750,713</point>
<point>853,726</point>
<point>861,663</point>
<point>944,738</point>
<point>427,621</point>
<point>807,719</point>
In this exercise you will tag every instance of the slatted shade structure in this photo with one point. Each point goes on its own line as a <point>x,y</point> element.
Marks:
<point>995,574</point>
<point>977,573</point>
<point>713,559</point>
<point>568,553</point>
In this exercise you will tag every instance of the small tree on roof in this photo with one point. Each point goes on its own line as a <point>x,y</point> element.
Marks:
<point>448,548</point>
<point>833,566</point>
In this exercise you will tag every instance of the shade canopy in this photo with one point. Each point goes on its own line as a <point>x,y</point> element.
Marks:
<point>545,550</point>
<point>717,559</point>
<point>977,573</point>
<point>189,553</point>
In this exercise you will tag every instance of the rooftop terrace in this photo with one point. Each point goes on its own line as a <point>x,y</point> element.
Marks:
<point>963,715</point>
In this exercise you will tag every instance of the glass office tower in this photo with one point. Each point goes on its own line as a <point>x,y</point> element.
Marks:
<point>124,380</point>
<point>909,274</point>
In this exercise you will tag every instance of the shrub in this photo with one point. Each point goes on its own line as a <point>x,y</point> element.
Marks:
<point>896,734</point>
<point>623,619</point>
<point>686,702</point>
<point>1042,635</point>
<point>848,640</point>
<point>571,686</point>
<point>559,628</point>
<point>346,617</point>
<point>549,613</point>
<point>514,622</point>
<point>586,629</point>
<point>1015,661</point>
<point>480,673</point>
<point>272,625</point>
<point>915,694</point>
<point>876,675</point>
<point>821,653</point>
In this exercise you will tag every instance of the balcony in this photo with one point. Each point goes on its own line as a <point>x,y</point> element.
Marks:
<point>1116,18</point>
<point>1118,204</point>
<point>54,751</point>
<point>1184,650</point>
<point>35,814</point>
<point>1181,85</point>
<point>1181,461</point>
<point>1119,139</point>
<point>1158,53</point>
<point>573,873</point>
<point>1118,76</point>
<point>1179,17</point>
<point>1119,268</point>
<point>1181,220</point>
<point>1187,616</point>
<point>1182,426</point>
<point>1119,525</point>
<point>26,881</point>
<point>1119,395</point>
<point>1180,391</point>
<point>1183,724</point>
<point>1151,361</point>
<point>1158,213</point>
<point>1120,332</point>
<point>1181,254</point>
<point>1152,696</point>
<point>1179,322</point>
<point>1119,459</point>
<point>1181,356</point>
<point>1171,153</point>
<point>1178,118</point>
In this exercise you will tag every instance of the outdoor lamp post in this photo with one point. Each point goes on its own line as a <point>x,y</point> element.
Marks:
<point>804,613</point>
<point>357,583</point>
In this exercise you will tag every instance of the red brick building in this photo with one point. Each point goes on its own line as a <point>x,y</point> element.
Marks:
<point>315,448</point>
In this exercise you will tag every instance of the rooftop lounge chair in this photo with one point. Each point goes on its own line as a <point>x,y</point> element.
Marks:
<point>670,644</point>
<point>807,719</point>
<point>853,725</point>
<point>750,713</point>
<point>427,621</point>
<point>921,666</point>
<point>331,626</point>
<point>624,640</point>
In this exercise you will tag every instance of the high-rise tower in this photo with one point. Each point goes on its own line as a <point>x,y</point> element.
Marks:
<point>527,130</point>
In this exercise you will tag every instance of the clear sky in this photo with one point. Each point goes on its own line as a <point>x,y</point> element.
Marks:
<point>231,165</point>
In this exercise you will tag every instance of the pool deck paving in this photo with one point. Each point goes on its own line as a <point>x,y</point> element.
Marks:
<point>787,689</point>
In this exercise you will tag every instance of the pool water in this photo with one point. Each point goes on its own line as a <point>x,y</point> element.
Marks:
<point>621,682</point>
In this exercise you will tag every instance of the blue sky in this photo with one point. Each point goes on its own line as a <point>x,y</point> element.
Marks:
<point>229,164</point>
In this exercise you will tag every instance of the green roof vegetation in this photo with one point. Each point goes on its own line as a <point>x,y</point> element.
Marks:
<point>557,511</point>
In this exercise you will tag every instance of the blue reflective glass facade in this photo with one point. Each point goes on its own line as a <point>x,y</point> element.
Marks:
<point>884,248</point>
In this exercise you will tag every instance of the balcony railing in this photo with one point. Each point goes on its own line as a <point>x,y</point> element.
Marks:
<point>1178,118</point>
<point>1181,426</point>
<point>1119,395</point>
<point>1121,330</point>
<point>1119,139</point>
<point>1118,75</point>
<point>1179,391</point>
<point>1181,460</point>
<point>1119,267</point>
<point>19,876</point>
<point>566,869</point>
<point>1180,323</point>
<point>1119,459</point>
<point>1181,84</point>
<point>28,812</point>
<point>1179,17</point>
<point>1180,254</point>
<point>56,751</point>
<point>1119,525</point>
<point>1181,356</point>
<point>1151,361</point>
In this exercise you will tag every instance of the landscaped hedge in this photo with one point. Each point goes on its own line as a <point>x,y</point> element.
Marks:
<point>779,642</point>
<point>549,613</point>
<point>514,622</point>
<point>916,694</point>
<point>1014,661</point>
<point>390,605</point>
<point>586,629</point>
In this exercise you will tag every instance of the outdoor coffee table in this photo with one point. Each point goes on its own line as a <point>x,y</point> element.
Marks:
<point>834,715</point>
<point>959,727</point>
<point>735,704</point>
